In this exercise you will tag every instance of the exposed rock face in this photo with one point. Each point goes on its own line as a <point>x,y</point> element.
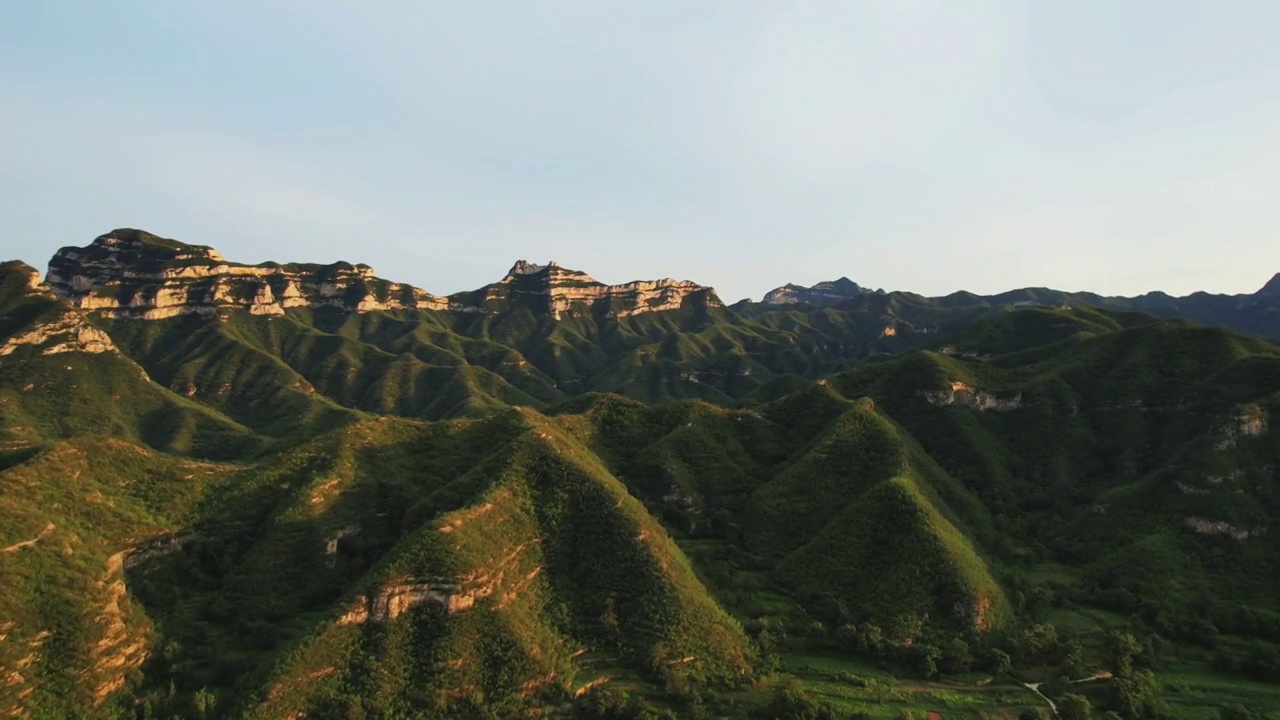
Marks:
<point>28,543</point>
<point>1248,421</point>
<point>953,351</point>
<point>121,649</point>
<point>146,552</point>
<point>823,294</point>
<point>389,601</point>
<point>133,274</point>
<point>967,396</point>
<point>1251,421</point>
<point>68,332</point>
<point>31,274</point>
<point>558,291</point>
<point>1217,527</point>
<point>331,542</point>
<point>975,613</point>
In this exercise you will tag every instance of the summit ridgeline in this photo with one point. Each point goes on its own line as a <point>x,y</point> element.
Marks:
<point>133,274</point>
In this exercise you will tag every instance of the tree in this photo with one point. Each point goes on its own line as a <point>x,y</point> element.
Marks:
<point>847,637</point>
<point>1074,707</point>
<point>925,659</point>
<point>1037,642</point>
<point>1000,662</point>
<point>1073,664</point>
<point>1055,686</point>
<point>1134,696</point>
<point>205,702</point>
<point>791,702</point>
<point>1037,713</point>
<point>355,710</point>
<point>1122,648</point>
<point>905,627</point>
<point>956,657</point>
<point>870,638</point>
<point>1039,601</point>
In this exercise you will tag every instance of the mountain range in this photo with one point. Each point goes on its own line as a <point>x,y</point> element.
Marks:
<point>297,490</point>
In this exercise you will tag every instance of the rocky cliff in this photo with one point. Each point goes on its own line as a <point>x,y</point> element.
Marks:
<point>58,329</point>
<point>557,290</point>
<point>68,332</point>
<point>134,274</point>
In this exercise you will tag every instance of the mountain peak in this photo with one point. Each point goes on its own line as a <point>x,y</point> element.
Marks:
<point>1272,287</point>
<point>825,293</point>
<point>143,241</point>
<point>524,267</point>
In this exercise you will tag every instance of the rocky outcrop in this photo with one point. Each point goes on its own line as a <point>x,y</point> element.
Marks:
<point>558,291</point>
<point>145,552</point>
<point>975,613</point>
<point>965,395</point>
<point>393,599</point>
<point>331,542</point>
<point>29,275</point>
<point>116,649</point>
<point>28,543</point>
<point>953,351</point>
<point>134,274</point>
<point>120,650</point>
<point>68,332</point>
<point>824,294</point>
<point>1248,421</point>
<point>1217,527</point>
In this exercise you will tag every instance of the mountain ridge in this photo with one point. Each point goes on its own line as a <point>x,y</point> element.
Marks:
<point>129,273</point>
<point>179,260</point>
<point>528,510</point>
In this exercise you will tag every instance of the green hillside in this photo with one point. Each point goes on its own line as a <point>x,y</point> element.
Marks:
<point>699,512</point>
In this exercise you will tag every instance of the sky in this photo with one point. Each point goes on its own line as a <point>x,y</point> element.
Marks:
<point>924,145</point>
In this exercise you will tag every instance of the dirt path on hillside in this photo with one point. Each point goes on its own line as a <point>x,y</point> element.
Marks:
<point>28,543</point>
<point>1035,688</point>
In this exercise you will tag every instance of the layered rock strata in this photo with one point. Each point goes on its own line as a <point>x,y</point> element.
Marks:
<point>558,291</point>
<point>134,274</point>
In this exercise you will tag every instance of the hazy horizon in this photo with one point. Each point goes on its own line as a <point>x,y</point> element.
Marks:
<point>497,275</point>
<point>908,145</point>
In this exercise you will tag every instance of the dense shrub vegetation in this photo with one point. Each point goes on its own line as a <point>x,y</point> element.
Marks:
<point>217,521</point>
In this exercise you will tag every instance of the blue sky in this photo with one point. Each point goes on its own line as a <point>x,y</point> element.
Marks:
<point>926,145</point>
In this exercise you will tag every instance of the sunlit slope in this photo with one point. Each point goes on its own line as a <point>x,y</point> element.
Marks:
<point>62,377</point>
<point>73,634</point>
